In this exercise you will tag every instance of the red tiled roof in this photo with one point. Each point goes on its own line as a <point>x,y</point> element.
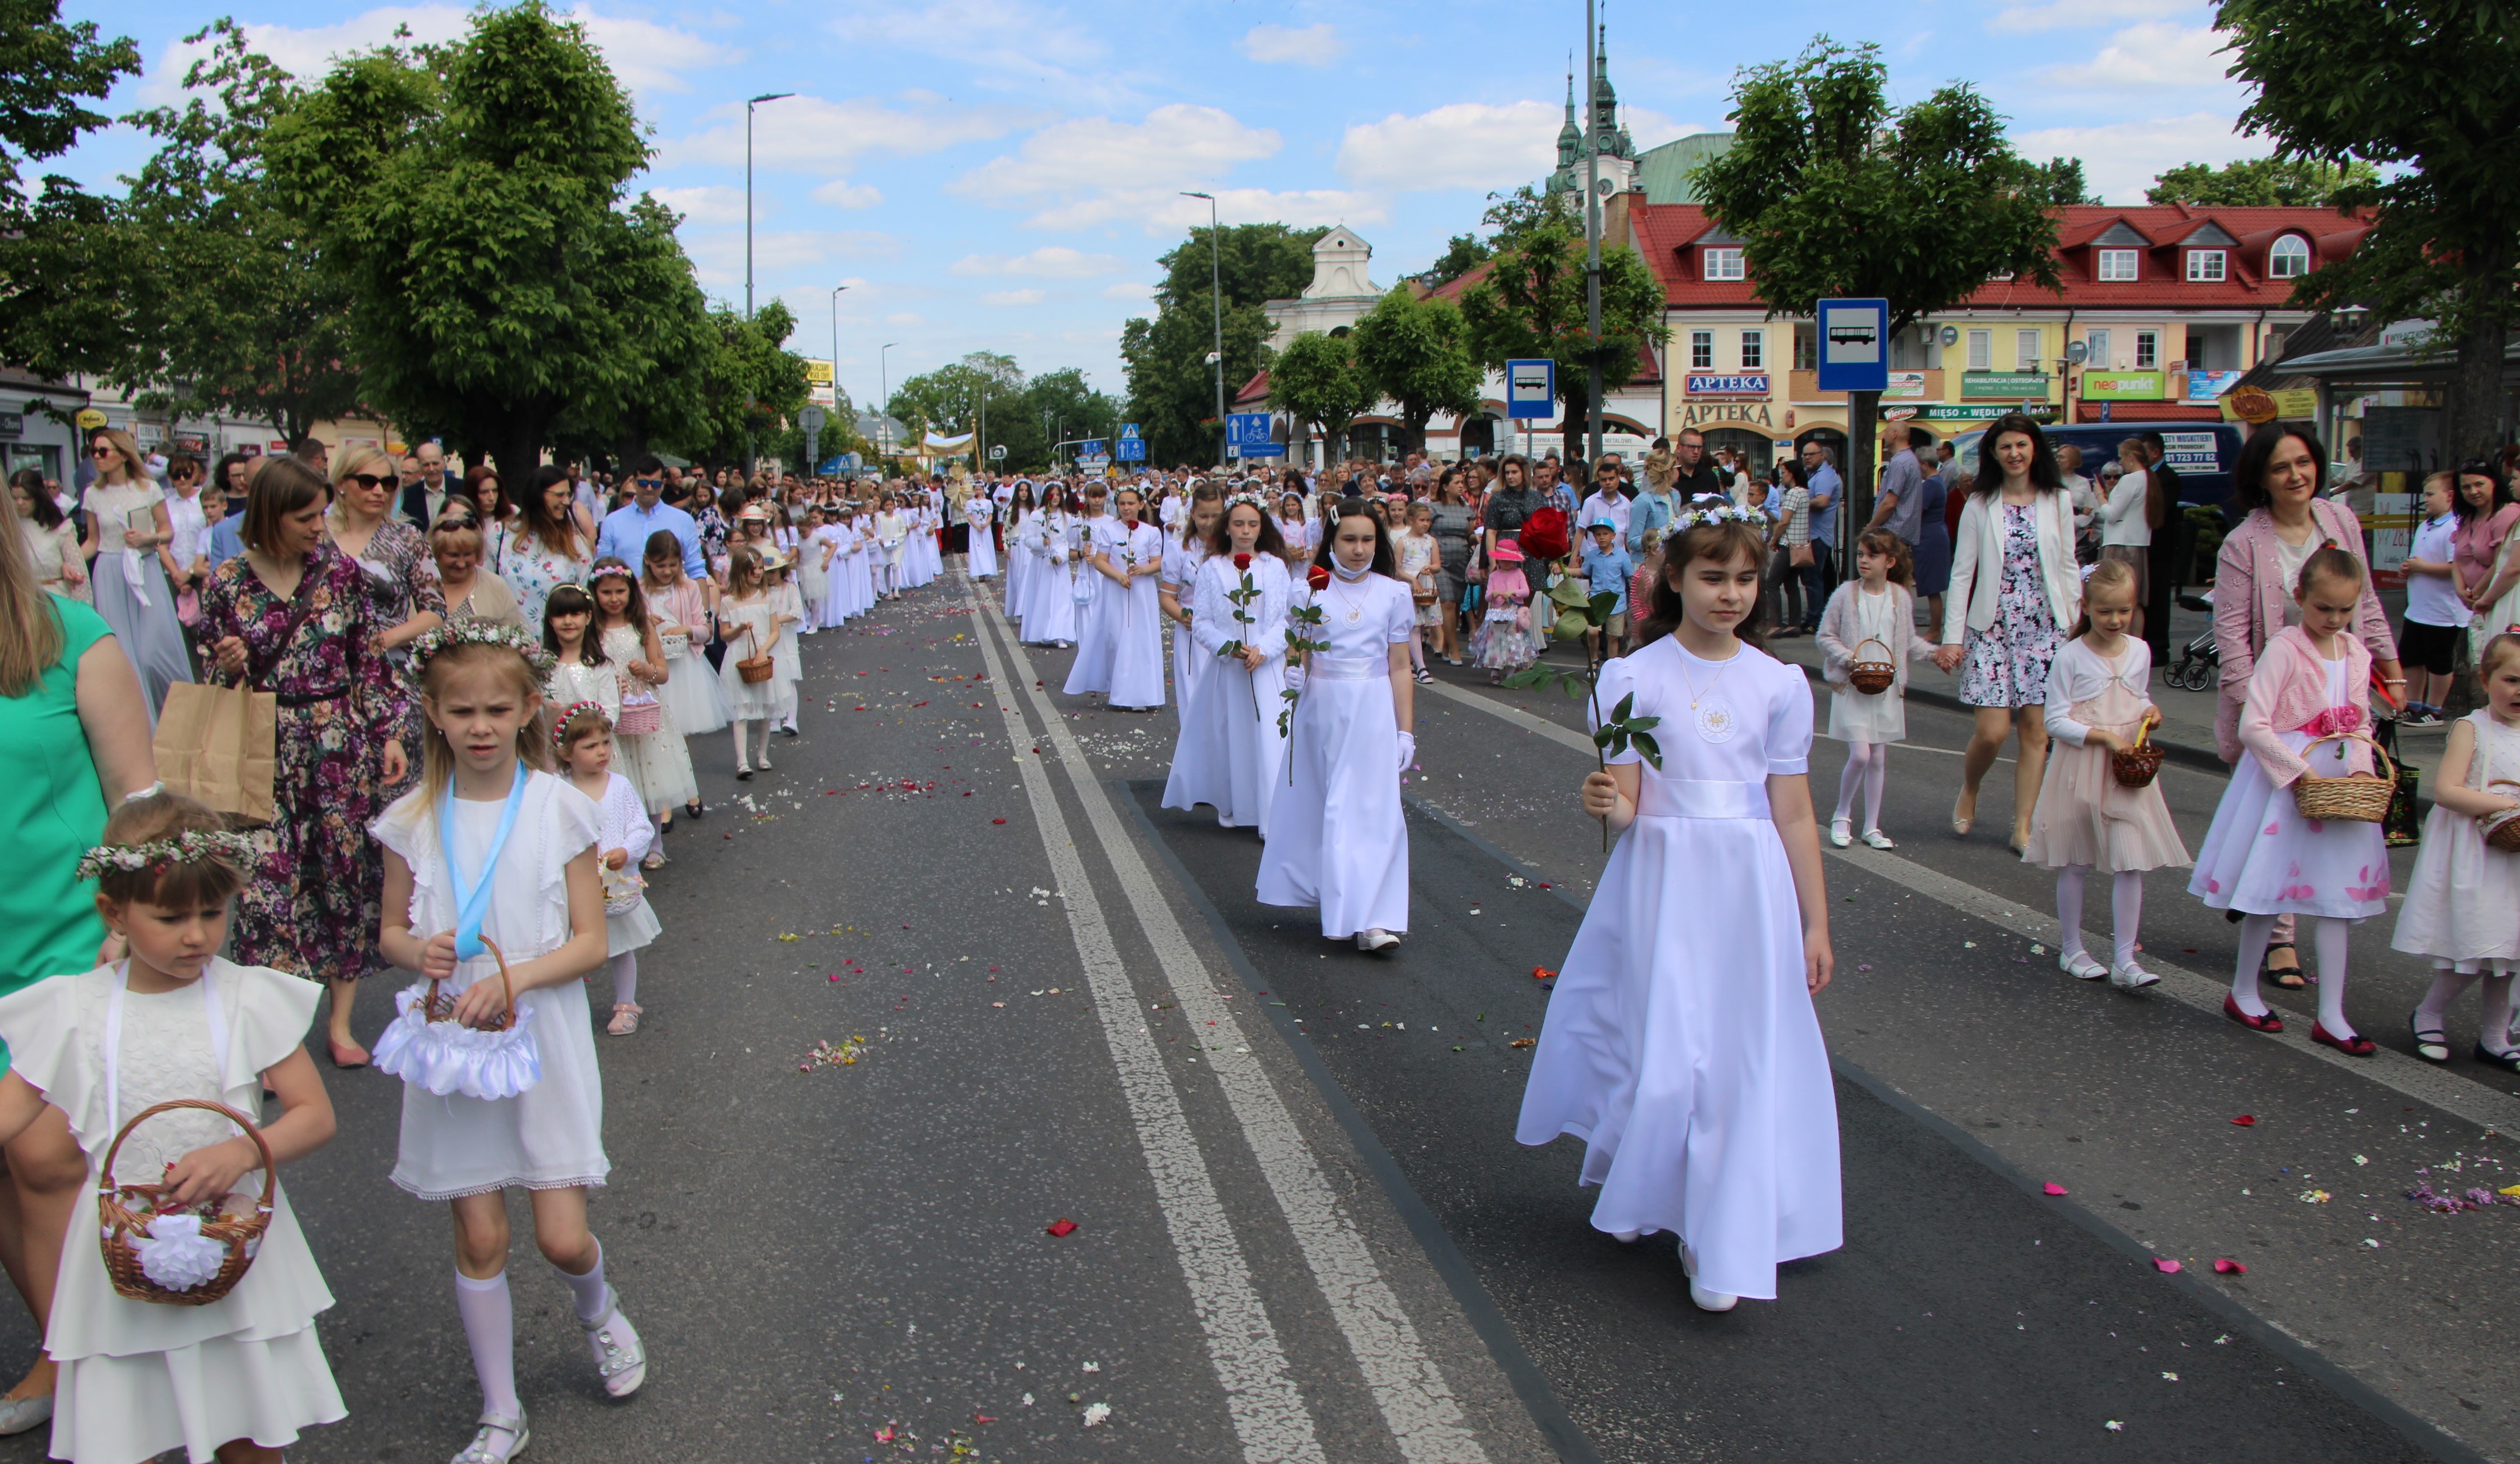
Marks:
<point>1254,391</point>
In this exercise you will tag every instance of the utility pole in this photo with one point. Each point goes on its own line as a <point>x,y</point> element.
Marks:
<point>836,352</point>
<point>884,407</point>
<point>748,190</point>
<point>1216,304</point>
<point>1592,245</point>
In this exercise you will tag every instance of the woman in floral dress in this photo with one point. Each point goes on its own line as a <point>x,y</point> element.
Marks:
<point>550,546</point>
<point>293,615</point>
<point>401,571</point>
<point>713,529</point>
<point>2016,594</point>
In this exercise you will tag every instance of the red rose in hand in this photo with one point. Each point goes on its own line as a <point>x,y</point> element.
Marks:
<point>1544,535</point>
<point>1319,579</point>
<point>1241,561</point>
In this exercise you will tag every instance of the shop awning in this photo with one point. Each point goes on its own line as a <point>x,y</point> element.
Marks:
<point>2389,362</point>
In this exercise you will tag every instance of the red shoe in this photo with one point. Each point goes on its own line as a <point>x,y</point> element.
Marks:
<point>2351,1047</point>
<point>347,1054</point>
<point>2267,1023</point>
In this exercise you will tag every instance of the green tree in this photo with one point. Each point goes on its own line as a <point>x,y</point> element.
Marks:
<point>1317,379</point>
<point>1463,253</point>
<point>2259,183</point>
<point>474,199</point>
<point>950,398</point>
<point>1833,192</point>
<point>1056,406</point>
<point>66,275</point>
<point>1416,353</point>
<point>1531,304</point>
<point>1171,389</point>
<point>2443,242</point>
<point>2061,180</point>
<point>750,383</point>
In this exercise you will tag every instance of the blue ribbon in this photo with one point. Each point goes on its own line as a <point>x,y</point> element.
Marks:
<point>473,900</point>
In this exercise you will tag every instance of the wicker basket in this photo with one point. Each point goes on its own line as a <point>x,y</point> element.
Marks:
<point>124,1212</point>
<point>439,1006</point>
<point>2502,831</point>
<point>1873,677</point>
<point>641,716</point>
<point>757,667</point>
<point>2136,765</point>
<point>2357,797</point>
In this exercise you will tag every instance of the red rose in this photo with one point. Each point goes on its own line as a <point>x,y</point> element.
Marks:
<point>1319,579</point>
<point>1544,535</point>
<point>1241,561</point>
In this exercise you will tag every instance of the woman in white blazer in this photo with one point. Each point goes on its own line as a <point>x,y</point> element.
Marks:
<point>2014,595</point>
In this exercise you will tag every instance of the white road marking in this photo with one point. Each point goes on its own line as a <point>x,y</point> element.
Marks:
<point>1416,1401</point>
<point>1260,1394</point>
<point>2462,1097</point>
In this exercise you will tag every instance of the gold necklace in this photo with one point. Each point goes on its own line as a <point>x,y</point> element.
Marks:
<point>1355,609</point>
<point>1695,694</point>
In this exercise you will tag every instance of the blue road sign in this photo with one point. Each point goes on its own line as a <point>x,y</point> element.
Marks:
<point>1853,345</point>
<point>1531,388</point>
<point>1263,450</point>
<point>1248,431</point>
<point>1093,447</point>
<point>1133,448</point>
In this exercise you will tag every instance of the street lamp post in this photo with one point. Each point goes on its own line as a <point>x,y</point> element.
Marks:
<point>883,402</point>
<point>1216,304</point>
<point>836,350</point>
<point>748,192</point>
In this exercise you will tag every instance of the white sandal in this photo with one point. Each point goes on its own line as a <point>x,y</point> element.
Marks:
<point>619,1358</point>
<point>1841,833</point>
<point>625,1018</point>
<point>497,1440</point>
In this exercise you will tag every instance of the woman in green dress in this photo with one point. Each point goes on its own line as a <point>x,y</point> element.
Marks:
<point>75,739</point>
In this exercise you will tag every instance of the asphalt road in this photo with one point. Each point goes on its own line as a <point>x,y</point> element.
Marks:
<point>1297,1238</point>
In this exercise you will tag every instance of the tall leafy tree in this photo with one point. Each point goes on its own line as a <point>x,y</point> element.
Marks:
<point>2444,242</point>
<point>1316,379</point>
<point>1056,406</point>
<point>66,275</point>
<point>1834,191</point>
<point>2259,183</point>
<point>1531,302</point>
<point>1416,353</point>
<point>1171,389</point>
<point>750,383</point>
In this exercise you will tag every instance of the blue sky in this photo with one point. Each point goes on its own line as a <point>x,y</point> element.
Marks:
<point>1001,174</point>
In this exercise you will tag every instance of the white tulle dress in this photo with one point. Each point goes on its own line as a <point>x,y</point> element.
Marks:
<point>551,1136</point>
<point>980,559</point>
<point>657,764</point>
<point>691,692</point>
<point>1098,618</point>
<point>1230,754</point>
<point>1337,838</point>
<point>624,826</point>
<point>1680,1043</point>
<point>1050,605</point>
<point>2463,899</point>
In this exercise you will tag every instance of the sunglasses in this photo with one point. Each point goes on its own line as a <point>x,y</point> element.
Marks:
<point>367,481</point>
<point>651,482</point>
<point>101,450</point>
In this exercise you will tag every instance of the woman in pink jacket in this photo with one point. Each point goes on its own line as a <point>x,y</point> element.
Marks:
<point>2280,481</point>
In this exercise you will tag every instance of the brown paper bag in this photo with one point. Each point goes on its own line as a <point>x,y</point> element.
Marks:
<point>219,745</point>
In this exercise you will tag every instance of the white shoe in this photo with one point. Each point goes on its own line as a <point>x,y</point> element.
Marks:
<point>2079,965</point>
<point>764,762</point>
<point>18,1415</point>
<point>619,1360</point>
<point>497,1440</point>
<point>1877,839</point>
<point>1841,833</point>
<point>2127,976</point>
<point>1705,1299</point>
<point>1376,940</point>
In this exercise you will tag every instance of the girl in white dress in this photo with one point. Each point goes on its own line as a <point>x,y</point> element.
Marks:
<point>1100,596</point>
<point>980,559</point>
<point>1685,1051</point>
<point>1132,561</point>
<point>1296,530</point>
<point>851,595</point>
<point>1231,755</point>
<point>1337,835</point>
<point>2462,905</point>
<point>583,740</point>
<point>893,537</point>
<point>2313,683</point>
<point>1185,551</point>
<point>1018,516</point>
<point>579,671</point>
<point>491,847</point>
<point>748,618</point>
<point>680,607</point>
<point>657,764</point>
<point>813,574</point>
<point>1049,611</point>
<point>790,660</point>
<point>237,1378</point>
<point>2086,819</point>
<point>1879,606</point>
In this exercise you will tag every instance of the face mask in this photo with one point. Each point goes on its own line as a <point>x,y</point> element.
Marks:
<point>1352,576</point>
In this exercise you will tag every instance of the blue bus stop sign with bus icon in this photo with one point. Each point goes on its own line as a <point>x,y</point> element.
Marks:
<point>1853,345</point>
<point>1531,388</point>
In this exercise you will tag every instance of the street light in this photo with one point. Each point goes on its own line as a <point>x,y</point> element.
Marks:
<point>748,192</point>
<point>883,402</point>
<point>1216,303</point>
<point>836,350</point>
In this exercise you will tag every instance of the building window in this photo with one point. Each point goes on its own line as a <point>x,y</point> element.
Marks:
<point>2117,264</point>
<point>1981,350</point>
<point>1724,264</point>
<point>1701,350</point>
<point>2025,350</point>
<point>2147,350</point>
<point>1806,348</point>
<point>1754,351</point>
<point>2289,259</point>
<point>2095,349</point>
<point>2205,266</point>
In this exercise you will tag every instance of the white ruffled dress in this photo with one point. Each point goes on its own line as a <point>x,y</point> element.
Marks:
<point>624,826</point>
<point>657,764</point>
<point>551,1136</point>
<point>139,1379</point>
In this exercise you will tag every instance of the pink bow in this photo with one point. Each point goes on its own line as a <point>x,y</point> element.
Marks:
<point>2334,721</point>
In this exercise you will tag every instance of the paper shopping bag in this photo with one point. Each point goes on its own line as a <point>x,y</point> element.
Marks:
<point>219,746</point>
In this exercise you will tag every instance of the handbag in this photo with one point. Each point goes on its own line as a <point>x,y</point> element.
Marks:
<point>220,745</point>
<point>757,667</point>
<point>1799,556</point>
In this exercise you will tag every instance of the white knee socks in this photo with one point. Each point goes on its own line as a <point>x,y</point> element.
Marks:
<point>490,1330</point>
<point>2448,981</point>
<point>625,979</point>
<point>588,1292</point>
<point>2069,906</point>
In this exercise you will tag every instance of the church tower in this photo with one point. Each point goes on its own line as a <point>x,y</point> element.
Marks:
<point>1601,128</point>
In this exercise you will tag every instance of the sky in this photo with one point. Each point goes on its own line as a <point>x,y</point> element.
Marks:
<point>1003,174</point>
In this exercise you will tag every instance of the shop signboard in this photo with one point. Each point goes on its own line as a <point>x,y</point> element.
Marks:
<point>1950,412</point>
<point>2206,386</point>
<point>2012,383</point>
<point>2122,385</point>
<point>2248,403</point>
<point>1906,385</point>
<point>2191,451</point>
<point>1708,383</point>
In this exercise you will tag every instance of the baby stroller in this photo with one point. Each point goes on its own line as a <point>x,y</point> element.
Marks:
<point>2199,666</point>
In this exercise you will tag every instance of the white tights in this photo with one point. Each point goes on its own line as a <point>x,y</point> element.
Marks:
<point>1867,764</point>
<point>2125,909</point>
<point>743,742</point>
<point>2329,941</point>
<point>625,979</point>
<point>2450,981</point>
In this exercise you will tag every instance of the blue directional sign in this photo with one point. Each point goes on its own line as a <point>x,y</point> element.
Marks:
<point>1853,345</point>
<point>1248,431</point>
<point>1133,448</point>
<point>1093,447</point>
<point>1531,388</point>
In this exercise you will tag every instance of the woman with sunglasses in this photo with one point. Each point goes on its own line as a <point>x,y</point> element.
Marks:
<point>126,527</point>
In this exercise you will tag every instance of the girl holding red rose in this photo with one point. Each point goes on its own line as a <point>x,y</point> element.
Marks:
<point>1231,755</point>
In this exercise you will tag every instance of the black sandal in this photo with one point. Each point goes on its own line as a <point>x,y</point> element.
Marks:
<point>2433,1045</point>
<point>693,808</point>
<point>2286,978</point>
<point>2508,1062</point>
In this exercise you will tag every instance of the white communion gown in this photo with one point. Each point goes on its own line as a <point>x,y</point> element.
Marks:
<point>1680,1043</point>
<point>1137,627</point>
<point>1097,619</point>
<point>1019,566</point>
<point>1337,838</point>
<point>1230,755</point>
<point>1183,555</point>
<point>1050,605</point>
<point>980,561</point>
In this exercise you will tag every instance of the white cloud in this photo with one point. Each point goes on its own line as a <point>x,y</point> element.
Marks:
<point>1094,171</point>
<point>719,255</point>
<point>840,192</point>
<point>2120,159</point>
<point>1007,297</point>
<point>1128,291</point>
<point>1050,262</point>
<point>2071,14</point>
<point>1004,43</point>
<point>648,57</point>
<point>2157,55</point>
<point>1480,145</point>
<point>1306,46</point>
<point>810,134</point>
<point>711,203</point>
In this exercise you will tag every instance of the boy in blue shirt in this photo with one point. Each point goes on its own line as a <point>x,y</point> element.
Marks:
<point>1607,568</point>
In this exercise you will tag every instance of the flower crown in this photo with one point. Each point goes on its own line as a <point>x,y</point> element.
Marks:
<point>482,633</point>
<point>559,723</point>
<point>183,849</point>
<point>1247,500</point>
<point>1707,519</point>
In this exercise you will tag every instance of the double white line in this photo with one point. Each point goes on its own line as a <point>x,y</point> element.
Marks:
<point>1417,1404</point>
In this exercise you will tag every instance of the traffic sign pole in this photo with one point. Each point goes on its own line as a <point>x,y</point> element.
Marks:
<point>1853,340</point>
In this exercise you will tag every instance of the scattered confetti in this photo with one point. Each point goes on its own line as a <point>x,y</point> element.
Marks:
<point>2166,1265</point>
<point>2316,1197</point>
<point>2051,1187</point>
<point>1062,1226</point>
<point>2114,1427</point>
<point>1543,973</point>
<point>827,1054</point>
<point>1095,1412</point>
<point>1523,1042</point>
<point>997,820</point>
<point>2169,1377</point>
<point>2245,1121</point>
<point>2230,1268</point>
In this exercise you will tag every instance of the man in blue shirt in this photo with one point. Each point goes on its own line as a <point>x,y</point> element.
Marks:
<point>1823,485</point>
<point>625,530</point>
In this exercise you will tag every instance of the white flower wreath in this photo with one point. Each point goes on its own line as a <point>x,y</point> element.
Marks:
<point>484,632</point>
<point>1707,519</point>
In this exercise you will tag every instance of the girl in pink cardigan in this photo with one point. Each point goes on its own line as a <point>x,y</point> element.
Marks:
<point>2308,702</point>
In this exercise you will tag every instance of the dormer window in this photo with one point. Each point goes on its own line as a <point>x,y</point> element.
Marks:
<point>2205,266</point>
<point>2119,264</point>
<point>1722,264</point>
<point>2289,259</point>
